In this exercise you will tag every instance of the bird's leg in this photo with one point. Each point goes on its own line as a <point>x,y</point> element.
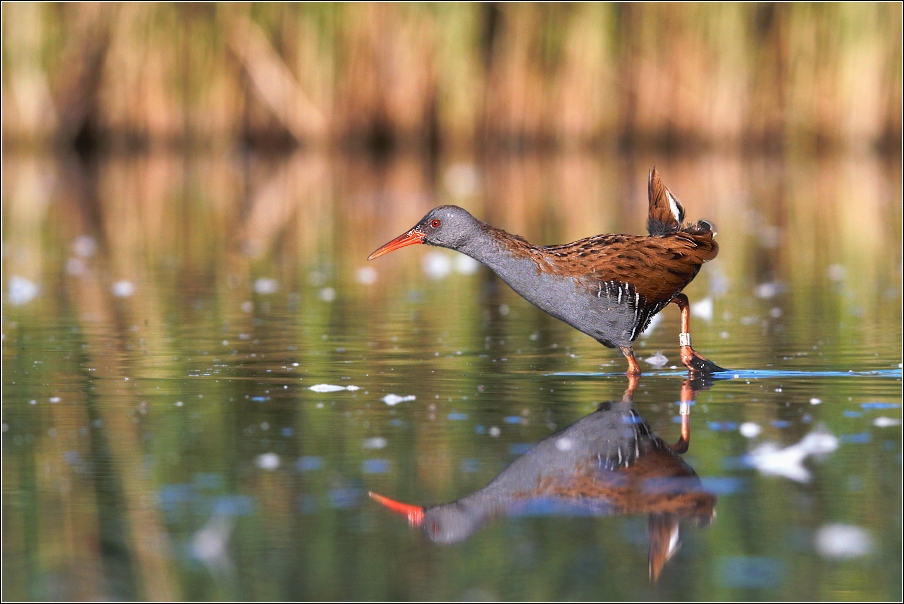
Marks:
<point>633,381</point>
<point>687,397</point>
<point>633,367</point>
<point>692,359</point>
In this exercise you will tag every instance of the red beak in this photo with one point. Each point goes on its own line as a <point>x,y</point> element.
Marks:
<point>415,513</point>
<point>409,238</point>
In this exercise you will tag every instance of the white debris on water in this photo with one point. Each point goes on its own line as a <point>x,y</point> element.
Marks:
<point>327,294</point>
<point>395,399</point>
<point>886,422</point>
<point>268,461</point>
<point>703,309</point>
<point>20,290</point>
<point>437,265</point>
<point>377,442</point>
<point>815,401</point>
<point>750,430</point>
<point>247,306</point>
<point>768,458</point>
<point>266,286</point>
<point>366,275</point>
<point>657,360</point>
<point>495,431</point>
<point>123,289</point>
<point>843,541</point>
<point>330,388</point>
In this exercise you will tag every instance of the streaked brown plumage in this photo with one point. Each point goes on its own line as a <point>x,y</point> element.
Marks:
<point>607,286</point>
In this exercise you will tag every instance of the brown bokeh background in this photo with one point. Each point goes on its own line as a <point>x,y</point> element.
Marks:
<point>756,76</point>
<point>219,145</point>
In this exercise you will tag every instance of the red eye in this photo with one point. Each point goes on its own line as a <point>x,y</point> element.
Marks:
<point>434,223</point>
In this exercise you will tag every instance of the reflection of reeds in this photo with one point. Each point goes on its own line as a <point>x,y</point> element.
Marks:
<point>194,234</point>
<point>512,76</point>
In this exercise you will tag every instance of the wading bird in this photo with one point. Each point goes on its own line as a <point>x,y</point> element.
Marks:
<point>607,286</point>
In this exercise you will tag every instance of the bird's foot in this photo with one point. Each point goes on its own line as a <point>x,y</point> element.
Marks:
<point>694,361</point>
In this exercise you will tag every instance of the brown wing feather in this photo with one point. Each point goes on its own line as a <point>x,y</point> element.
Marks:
<point>657,267</point>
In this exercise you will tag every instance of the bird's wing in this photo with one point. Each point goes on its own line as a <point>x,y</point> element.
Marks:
<point>657,267</point>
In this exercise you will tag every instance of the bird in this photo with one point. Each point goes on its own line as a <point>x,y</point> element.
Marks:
<point>609,462</point>
<point>606,286</point>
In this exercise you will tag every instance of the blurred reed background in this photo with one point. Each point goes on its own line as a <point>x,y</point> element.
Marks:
<point>450,76</point>
<point>792,114</point>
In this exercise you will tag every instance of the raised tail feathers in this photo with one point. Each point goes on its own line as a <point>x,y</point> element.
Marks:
<point>666,213</point>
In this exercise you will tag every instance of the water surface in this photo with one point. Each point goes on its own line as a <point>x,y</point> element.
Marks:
<point>203,379</point>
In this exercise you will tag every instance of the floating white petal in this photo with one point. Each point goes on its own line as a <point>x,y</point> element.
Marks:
<point>657,360</point>
<point>326,388</point>
<point>395,399</point>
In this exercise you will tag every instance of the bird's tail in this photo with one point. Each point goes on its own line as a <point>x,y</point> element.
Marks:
<point>666,214</point>
<point>666,217</point>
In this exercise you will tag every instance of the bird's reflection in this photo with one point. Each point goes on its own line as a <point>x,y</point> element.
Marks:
<point>607,463</point>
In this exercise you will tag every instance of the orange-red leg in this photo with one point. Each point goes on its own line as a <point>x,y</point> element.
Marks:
<point>687,397</point>
<point>633,382</point>
<point>633,367</point>
<point>692,359</point>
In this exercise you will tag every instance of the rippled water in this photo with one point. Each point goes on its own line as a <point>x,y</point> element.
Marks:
<point>203,379</point>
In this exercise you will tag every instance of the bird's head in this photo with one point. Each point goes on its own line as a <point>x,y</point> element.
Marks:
<point>445,226</point>
<point>445,524</point>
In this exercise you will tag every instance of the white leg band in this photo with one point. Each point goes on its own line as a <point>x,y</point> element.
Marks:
<point>684,409</point>
<point>684,339</point>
